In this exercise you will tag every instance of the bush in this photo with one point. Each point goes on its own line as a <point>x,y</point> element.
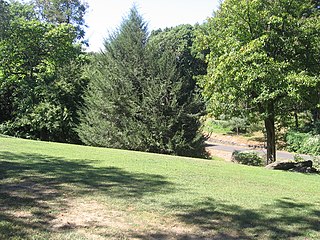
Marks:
<point>234,124</point>
<point>215,126</point>
<point>294,140</point>
<point>237,124</point>
<point>305,143</point>
<point>248,158</point>
<point>316,162</point>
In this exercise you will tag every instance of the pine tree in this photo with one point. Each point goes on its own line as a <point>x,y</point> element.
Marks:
<point>136,98</point>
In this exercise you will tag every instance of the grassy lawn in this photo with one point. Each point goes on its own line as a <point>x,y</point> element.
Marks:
<point>59,191</point>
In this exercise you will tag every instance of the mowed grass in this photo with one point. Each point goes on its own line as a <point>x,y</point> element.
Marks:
<point>60,191</point>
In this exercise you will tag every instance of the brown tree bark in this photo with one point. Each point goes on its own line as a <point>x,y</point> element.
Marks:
<point>296,119</point>
<point>271,135</point>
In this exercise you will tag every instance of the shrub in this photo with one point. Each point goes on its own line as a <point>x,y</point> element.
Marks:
<point>237,124</point>
<point>316,162</point>
<point>305,143</point>
<point>215,126</point>
<point>234,124</point>
<point>248,158</point>
<point>294,140</point>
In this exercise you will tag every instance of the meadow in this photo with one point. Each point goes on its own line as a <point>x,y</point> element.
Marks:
<point>63,191</point>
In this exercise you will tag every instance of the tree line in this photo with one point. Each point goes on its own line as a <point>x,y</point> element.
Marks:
<point>138,93</point>
<point>148,91</point>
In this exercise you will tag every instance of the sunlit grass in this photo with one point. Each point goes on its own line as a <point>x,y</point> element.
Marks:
<point>60,191</point>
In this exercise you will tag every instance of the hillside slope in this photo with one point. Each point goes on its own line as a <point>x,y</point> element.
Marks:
<point>60,191</point>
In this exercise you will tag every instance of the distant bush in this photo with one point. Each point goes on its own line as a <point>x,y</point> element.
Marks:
<point>248,158</point>
<point>316,162</point>
<point>215,126</point>
<point>235,124</point>
<point>294,140</point>
<point>305,143</point>
<point>313,128</point>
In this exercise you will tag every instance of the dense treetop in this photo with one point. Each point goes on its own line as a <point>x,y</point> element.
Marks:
<point>263,57</point>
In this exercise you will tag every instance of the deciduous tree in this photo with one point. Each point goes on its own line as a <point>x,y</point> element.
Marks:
<point>63,11</point>
<point>40,82</point>
<point>262,57</point>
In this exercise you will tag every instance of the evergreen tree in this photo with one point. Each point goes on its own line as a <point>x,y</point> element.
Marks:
<point>136,97</point>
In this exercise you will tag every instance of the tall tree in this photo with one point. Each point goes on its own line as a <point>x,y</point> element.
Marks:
<point>135,97</point>
<point>263,56</point>
<point>4,17</point>
<point>40,82</point>
<point>63,11</point>
<point>178,41</point>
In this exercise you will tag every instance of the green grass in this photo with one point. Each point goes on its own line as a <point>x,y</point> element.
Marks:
<point>60,191</point>
<point>212,126</point>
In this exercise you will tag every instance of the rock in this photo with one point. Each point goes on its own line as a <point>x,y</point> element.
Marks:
<point>303,167</point>
<point>304,164</point>
<point>281,165</point>
<point>304,170</point>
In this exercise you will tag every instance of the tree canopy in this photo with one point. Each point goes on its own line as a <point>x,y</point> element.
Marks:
<point>263,57</point>
<point>40,78</point>
<point>63,11</point>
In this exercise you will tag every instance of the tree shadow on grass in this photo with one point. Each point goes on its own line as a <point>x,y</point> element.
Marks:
<point>285,218</point>
<point>54,172</point>
<point>32,186</point>
<point>211,219</point>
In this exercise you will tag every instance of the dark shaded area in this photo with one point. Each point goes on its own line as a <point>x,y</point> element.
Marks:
<point>283,219</point>
<point>41,184</point>
<point>53,171</point>
<point>199,236</point>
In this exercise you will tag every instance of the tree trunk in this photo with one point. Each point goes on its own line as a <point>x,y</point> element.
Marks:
<point>271,136</point>
<point>296,120</point>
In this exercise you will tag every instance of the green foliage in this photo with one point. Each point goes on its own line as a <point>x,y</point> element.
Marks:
<point>248,158</point>
<point>262,58</point>
<point>137,99</point>
<point>40,82</point>
<point>298,158</point>
<point>305,143</point>
<point>215,126</point>
<point>179,41</point>
<point>63,11</point>
<point>311,127</point>
<point>235,124</point>
<point>316,162</point>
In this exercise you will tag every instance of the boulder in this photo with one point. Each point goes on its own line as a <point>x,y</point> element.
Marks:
<point>304,167</point>
<point>281,165</point>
